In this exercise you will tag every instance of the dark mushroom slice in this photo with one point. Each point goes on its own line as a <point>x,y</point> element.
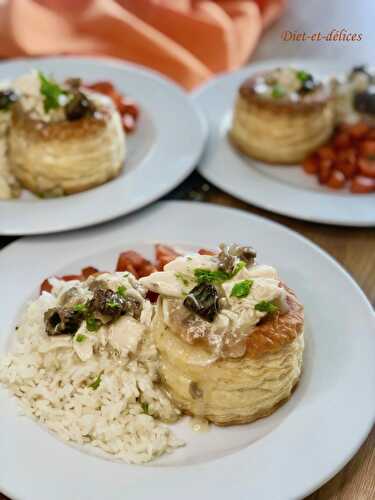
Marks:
<point>7,98</point>
<point>109,303</point>
<point>78,107</point>
<point>62,321</point>
<point>204,301</point>
<point>364,102</point>
<point>229,255</point>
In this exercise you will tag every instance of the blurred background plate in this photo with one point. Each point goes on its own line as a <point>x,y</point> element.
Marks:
<point>163,150</point>
<point>286,190</point>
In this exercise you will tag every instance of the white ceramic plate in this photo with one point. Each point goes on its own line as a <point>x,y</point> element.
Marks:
<point>284,456</point>
<point>284,190</point>
<point>163,151</point>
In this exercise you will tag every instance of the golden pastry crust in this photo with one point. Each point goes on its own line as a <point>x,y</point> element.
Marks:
<point>281,131</point>
<point>277,330</point>
<point>234,390</point>
<point>58,158</point>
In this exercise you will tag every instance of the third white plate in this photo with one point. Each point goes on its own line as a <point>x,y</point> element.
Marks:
<point>284,190</point>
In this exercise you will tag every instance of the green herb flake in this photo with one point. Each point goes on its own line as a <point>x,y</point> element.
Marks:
<point>266,306</point>
<point>238,268</point>
<point>303,76</point>
<point>51,92</point>
<point>145,408</point>
<point>80,338</point>
<point>113,304</point>
<point>80,308</point>
<point>217,277</point>
<point>96,382</point>
<point>241,289</point>
<point>121,290</point>
<point>214,277</point>
<point>278,91</point>
<point>92,324</point>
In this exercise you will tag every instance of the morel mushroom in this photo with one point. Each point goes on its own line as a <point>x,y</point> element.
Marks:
<point>78,107</point>
<point>204,301</point>
<point>7,98</point>
<point>110,303</point>
<point>62,321</point>
<point>229,255</point>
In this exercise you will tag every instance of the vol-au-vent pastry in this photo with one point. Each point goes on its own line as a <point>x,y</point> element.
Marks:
<point>282,115</point>
<point>63,138</point>
<point>229,334</point>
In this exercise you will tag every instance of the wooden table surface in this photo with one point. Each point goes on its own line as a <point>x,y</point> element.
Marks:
<point>353,248</point>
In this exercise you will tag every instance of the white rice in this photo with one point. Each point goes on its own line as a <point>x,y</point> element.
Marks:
<point>53,386</point>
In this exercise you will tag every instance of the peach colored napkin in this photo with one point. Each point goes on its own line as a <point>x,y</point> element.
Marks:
<point>187,40</point>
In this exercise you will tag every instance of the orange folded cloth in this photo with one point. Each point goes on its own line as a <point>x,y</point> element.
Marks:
<point>187,40</point>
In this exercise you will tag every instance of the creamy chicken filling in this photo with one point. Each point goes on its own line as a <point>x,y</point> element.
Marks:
<point>205,302</point>
<point>285,83</point>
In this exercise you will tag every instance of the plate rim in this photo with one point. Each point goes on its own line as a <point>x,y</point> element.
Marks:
<point>165,188</point>
<point>291,233</point>
<point>198,95</point>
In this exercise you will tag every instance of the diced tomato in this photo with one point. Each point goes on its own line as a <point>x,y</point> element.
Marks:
<point>164,255</point>
<point>336,180</point>
<point>130,108</point>
<point>128,123</point>
<point>358,130</point>
<point>325,169</point>
<point>88,271</point>
<point>134,263</point>
<point>371,134</point>
<point>326,153</point>
<point>102,87</point>
<point>205,251</point>
<point>362,185</point>
<point>46,286</point>
<point>342,140</point>
<point>367,148</point>
<point>348,169</point>
<point>70,277</point>
<point>367,167</point>
<point>311,165</point>
<point>348,155</point>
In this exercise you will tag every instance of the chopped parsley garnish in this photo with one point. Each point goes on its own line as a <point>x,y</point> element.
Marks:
<point>93,324</point>
<point>182,277</point>
<point>80,308</point>
<point>238,268</point>
<point>278,90</point>
<point>113,304</point>
<point>121,290</point>
<point>145,408</point>
<point>241,289</point>
<point>266,306</point>
<point>51,92</point>
<point>96,382</point>
<point>80,338</point>
<point>303,76</point>
<point>216,277</point>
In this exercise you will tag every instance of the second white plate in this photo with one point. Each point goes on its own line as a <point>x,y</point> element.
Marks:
<point>165,148</point>
<point>284,190</point>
